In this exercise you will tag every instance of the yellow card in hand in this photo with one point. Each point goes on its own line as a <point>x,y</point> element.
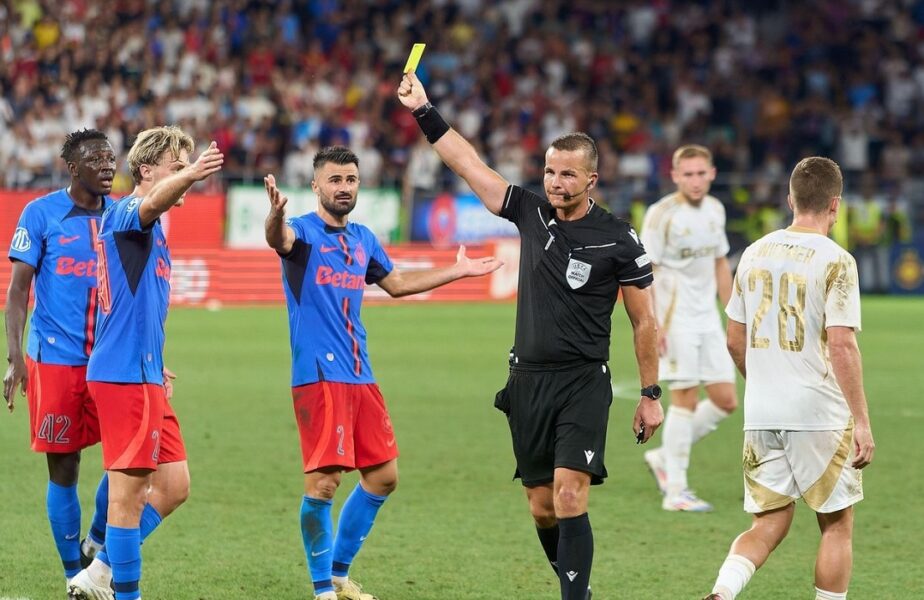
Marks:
<point>413,58</point>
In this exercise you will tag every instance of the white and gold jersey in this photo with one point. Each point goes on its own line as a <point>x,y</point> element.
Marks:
<point>790,286</point>
<point>684,242</point>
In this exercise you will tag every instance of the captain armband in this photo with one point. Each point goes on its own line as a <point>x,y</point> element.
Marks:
<point>431,122</point>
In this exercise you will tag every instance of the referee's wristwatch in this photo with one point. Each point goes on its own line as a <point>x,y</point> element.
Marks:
<point>652,391</point>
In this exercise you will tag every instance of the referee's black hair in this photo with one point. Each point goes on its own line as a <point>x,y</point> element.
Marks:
<point>339,155</point>
<point>72,142</point>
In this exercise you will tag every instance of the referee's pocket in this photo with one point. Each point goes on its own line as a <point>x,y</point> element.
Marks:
<point>502,401</point>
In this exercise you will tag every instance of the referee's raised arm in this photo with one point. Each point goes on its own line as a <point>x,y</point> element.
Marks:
<point>452,148</point>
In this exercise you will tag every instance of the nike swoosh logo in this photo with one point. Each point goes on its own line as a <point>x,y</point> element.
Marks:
<point>67,240</point>
<point>326,249</point>
<point>73,536</point>
<point>315,554</point>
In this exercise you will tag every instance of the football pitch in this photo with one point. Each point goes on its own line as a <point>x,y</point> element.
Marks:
<point>457,527</point>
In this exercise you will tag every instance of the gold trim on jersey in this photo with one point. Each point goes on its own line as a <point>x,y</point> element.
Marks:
<point>764,497</point>
<point>669,313</point>
<point>821,490</point>
<point>658,209</point>
<point>824,347</point>
<point>832,271</point>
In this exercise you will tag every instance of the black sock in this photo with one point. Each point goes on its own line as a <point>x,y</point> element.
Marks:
<point>575,556</point>
<point>548,537</point>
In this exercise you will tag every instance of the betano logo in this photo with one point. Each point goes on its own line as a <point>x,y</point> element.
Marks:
<point>162,269</point>
<point>78,268</point>
<point>343,279</point>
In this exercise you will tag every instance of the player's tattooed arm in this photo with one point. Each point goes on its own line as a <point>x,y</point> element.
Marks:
<point>279,236</point>
<point>17,306</point>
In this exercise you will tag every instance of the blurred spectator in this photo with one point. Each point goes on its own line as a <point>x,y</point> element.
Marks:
<point>867,229</point>
<point>897,223</point>
<point>761,83</point>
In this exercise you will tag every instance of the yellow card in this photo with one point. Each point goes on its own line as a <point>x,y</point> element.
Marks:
<point>413,58</point>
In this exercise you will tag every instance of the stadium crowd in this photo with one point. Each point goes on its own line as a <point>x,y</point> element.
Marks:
<point>272,81</point>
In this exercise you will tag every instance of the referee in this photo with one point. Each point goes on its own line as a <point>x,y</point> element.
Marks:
<point>574,258</point>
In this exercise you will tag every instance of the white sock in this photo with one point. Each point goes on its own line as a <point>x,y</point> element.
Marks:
<point>89,546</point>
<point>706,419</point>
<point>734,574</point>
<point>336,580</point>
<point>821,594</point>
<point>675,447</point>
<point>100,572</point>
<point>327,596</point>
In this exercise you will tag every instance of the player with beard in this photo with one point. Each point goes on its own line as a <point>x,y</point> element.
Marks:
<point>54,245</point>
<point>343,424</point>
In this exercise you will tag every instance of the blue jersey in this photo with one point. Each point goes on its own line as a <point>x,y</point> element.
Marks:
<point>58,238</point>
<point>324,277</point>
<point>134,292</point>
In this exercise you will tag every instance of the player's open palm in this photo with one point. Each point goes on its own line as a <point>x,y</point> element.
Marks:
<point>863,446</point>
<point>209,162</point>
<point>411,92</point>
<point>16,376</point>
<point>277,199</point>
<point>475,267</point>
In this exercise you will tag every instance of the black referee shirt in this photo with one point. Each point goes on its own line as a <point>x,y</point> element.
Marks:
<point>570,273</point>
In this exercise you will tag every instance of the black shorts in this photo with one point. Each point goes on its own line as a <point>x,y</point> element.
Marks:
<point>557,418</point>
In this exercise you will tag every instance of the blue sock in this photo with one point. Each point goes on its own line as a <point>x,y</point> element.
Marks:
<point>98,525</point>
<point>318,537</point>
<point>124,548</point>
<point>356,519</point>
<point>63,509</point>
<point>150,519</point>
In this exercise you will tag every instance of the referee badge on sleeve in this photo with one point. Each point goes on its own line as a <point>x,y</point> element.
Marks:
<point>578,273</point>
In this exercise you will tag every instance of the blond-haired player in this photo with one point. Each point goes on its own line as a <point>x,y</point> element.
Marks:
<point>791,332</point>
<point>684,234</point>
<point>143,448</point>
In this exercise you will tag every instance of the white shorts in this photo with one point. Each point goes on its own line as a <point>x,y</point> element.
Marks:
<point>782,466</point>
<point>695,358</point>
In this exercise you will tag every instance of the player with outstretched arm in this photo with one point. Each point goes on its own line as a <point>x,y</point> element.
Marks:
<point>327,262</point>
<point>575,257</point>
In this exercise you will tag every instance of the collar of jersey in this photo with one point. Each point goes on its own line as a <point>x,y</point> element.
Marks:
<point>797,229</point>
<point>553,216</point>
<point>328,228</point>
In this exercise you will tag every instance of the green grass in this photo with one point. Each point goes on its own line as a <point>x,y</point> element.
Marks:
<point>458,528</point>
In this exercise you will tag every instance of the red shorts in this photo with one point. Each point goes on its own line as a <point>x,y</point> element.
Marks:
<point>139,428</point>
<point>62,415</point>
<point>344,425</point>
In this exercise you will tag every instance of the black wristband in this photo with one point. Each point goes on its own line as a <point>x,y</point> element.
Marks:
<point>421,110</point>
<point>431,122</point>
